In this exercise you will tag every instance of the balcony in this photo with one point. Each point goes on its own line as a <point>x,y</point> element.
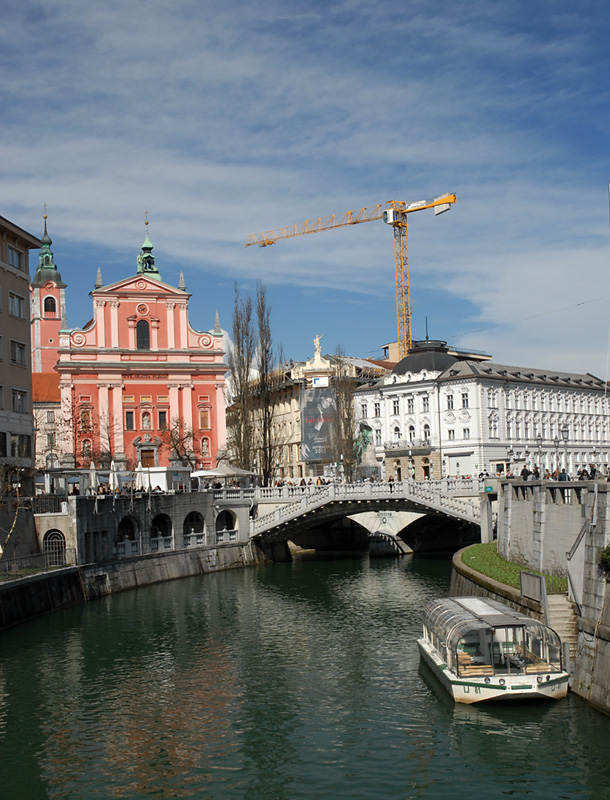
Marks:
<point>416,446</point>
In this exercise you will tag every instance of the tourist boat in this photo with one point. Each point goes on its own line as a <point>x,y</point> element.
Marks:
<point>480,649</point>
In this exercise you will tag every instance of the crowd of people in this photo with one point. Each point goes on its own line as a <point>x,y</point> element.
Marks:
<point>583,474</point>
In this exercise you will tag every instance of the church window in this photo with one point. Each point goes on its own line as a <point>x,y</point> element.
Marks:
<point>142,335</point>
<point>50,306</point>
<point>129,421</point>
<point>162,420</point>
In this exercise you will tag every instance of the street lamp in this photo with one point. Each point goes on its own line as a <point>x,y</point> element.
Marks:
<point>411,470</point>
<point>556,443</point>
<point>565,435</point>
<point>539,443</point>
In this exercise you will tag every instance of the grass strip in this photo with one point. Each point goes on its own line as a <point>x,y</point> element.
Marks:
<point>484,558</point>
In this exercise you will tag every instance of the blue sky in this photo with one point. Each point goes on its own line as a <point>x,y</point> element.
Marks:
<point>227,119</point>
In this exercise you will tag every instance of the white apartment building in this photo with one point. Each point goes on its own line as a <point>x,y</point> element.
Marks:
<point>442,412</point>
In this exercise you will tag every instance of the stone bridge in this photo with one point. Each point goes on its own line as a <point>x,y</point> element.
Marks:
<point>301,509</point>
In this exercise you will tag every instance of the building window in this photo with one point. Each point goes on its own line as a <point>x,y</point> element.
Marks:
<point>142,335</point>
<point>425,404</point>
<point>162,420</point>
<point>451,435</point>
<point>426,433</point>
<point>19,401</point>
<point>377,409</point>
<point>1,397</point>
<point>364,410</point>
<point>16,305</point>
<point>410,406</point>
<point>18,353</point>
<point>396,406</point>
<point>3,452</point>
<point>50,416</point>
<point>129,419</point>
<point>449,402</point>
<point>396,434</point>
<point>204,418</point>
<point>50,306</point>
<point>411,433</point>
<point>466,433</point>
<point>464,399</point>
<point>50,440</point>
<point>20,446</point>
<point>15,257</point>
<point>377,438</point>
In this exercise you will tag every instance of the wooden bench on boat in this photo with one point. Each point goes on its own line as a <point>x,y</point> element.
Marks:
<point>471,670</point>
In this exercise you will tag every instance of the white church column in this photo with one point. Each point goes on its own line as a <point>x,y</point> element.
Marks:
<point>171,337</point>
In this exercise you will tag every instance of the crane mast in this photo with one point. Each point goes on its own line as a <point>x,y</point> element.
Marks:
<point>394,213</point>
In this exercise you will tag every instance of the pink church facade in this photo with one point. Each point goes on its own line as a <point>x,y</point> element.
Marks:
<point>138,383</point>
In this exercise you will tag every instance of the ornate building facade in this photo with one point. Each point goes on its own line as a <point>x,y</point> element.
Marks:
<point>442,412</point>
<point>137,383</point>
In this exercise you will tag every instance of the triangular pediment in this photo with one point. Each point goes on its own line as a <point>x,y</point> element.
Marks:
<point>140,284</point>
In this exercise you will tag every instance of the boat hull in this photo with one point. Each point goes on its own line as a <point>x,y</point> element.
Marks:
<point>513,687</point>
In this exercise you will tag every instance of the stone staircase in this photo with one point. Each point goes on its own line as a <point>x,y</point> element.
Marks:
<point>562,619</point>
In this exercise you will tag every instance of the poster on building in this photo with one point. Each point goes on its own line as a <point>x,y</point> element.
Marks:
<point>318,418</point>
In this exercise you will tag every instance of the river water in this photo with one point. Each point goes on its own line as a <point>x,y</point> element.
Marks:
<point>279,682</point>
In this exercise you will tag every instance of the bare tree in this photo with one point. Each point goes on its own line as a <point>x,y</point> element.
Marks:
<point>266,449</point>
<point>240,361</point>
<point>182,444</point>
<point>344,430</point>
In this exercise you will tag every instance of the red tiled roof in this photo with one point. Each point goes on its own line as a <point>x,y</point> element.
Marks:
<point>45,387</point>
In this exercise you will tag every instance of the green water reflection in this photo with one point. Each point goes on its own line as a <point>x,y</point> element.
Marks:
<point>289,681</point>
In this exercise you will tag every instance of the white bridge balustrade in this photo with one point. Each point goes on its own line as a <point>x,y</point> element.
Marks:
<point>439,496</point>
<point>128,548</point>
<point>160,544</point>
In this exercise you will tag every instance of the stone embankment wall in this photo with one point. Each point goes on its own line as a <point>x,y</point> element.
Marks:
<point>465,582</point>
<point>24,598</point>
<point>560,528</point>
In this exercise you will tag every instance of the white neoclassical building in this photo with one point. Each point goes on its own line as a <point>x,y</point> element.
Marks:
<point>443,412</point>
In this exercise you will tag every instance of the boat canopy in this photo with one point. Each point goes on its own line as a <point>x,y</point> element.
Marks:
<point>453,620</point>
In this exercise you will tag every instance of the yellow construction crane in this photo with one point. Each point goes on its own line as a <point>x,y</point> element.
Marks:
<point>394,213</point>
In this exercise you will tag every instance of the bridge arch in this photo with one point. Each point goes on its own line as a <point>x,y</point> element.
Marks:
<point>161,527</point>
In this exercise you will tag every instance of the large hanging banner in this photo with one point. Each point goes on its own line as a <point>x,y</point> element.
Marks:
<point>318,419</point>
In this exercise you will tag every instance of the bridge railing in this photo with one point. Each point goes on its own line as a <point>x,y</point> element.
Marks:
<point>430,494</point>
<point>460,486</point>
